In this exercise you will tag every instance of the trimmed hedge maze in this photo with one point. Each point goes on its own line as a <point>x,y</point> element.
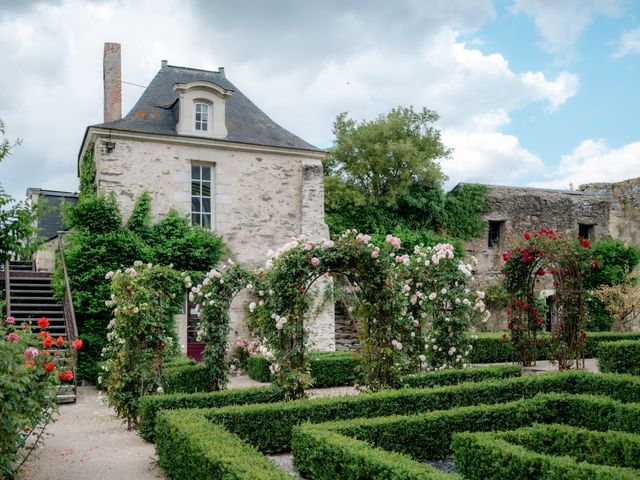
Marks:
<point>390,434</point>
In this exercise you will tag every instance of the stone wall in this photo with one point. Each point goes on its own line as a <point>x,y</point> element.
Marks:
<point>260,199</point>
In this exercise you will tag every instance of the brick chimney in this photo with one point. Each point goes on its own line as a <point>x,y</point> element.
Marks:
<point>112,82</point>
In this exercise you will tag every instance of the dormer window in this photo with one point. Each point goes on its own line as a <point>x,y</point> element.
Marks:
<point>202,117</point>
<point>201,109</point>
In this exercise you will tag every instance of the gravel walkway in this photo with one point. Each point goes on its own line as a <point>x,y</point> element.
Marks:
<point>88,441</point>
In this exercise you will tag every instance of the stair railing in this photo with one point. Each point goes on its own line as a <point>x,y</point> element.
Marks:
<point>7,288</point>
<point>69,313</point>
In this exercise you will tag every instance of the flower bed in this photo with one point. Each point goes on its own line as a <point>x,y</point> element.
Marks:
<point>362,445</point>
<point>620,357</point>
<point>546,451</point>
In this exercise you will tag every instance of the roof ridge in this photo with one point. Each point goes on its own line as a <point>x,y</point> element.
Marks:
<point>194,69</point>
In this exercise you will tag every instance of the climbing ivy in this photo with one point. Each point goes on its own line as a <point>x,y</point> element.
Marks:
<point>88,173</point>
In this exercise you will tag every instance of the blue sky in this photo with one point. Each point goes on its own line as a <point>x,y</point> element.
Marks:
<point>530,92</point>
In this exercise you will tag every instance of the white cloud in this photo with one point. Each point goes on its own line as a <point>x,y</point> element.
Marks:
<point>594,161</point>
<point>488,157</point>
<point>329,58</point>
<point>561,23</point>
<point>628,43</point>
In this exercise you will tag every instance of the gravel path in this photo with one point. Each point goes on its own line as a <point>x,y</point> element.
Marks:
<point>89,442</point>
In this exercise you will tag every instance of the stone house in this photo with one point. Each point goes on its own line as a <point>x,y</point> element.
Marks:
<point>594,211</point>
<point>197,144</point>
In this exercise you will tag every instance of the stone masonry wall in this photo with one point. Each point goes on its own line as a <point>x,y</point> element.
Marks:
<point>260,200</point>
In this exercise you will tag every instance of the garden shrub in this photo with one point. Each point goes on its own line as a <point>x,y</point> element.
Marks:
<point>179,361</point>
<point>258,368</point>
<point>429,436</point>
<point>328,369</point>
<point>455,376</point>
<point>189,447</point>
<point>186,379</point>
<point>620,357</point>
<point>494,348</point>
<point>268,426</point>
<point>496,456</point>
<point>150,405</point>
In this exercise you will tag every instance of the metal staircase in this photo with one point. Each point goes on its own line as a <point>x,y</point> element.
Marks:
<point>29,296</point>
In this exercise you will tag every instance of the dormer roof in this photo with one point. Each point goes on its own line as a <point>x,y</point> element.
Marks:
<point>156,110</point>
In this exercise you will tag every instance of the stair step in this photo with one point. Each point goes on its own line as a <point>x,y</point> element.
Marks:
<point>22,292</point>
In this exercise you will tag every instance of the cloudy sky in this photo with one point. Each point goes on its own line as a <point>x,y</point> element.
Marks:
<point>530,92</point>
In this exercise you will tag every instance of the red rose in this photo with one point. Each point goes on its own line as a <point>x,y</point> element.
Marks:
<point>509,325</point>
<point>519,303</point>
<point>526,307</point>
<point>541,271</point>
<point>66,376</point>
<point>508,311</point>
<point>76,344</point>
<point>43,334</point>
<point>48,342</point>
<point>586,244</point>
<point>49,366</point>
<point>43,322</point>
<point>59,341</point>
<point>595,263</point>
<point>539,321</point>
<point>541,253</point>
<point>535,312</point>
<point>527,236</point>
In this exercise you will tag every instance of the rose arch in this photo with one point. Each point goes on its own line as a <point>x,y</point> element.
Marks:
<point>561,264</point>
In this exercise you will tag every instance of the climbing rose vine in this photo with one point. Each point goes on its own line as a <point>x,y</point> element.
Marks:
<point>213,297</point>
<point>547,262</point>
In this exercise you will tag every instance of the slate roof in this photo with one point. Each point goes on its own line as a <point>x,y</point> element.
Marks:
<point>51,220</point>
<point>156,112</point>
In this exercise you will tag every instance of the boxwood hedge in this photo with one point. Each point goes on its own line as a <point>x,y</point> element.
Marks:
<point>455,376</point>
<point>429,436</point>
<point>620,357</point>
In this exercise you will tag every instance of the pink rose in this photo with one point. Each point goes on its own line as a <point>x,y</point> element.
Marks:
<point>31,353</point>
<point>11,320</point>
<point>13,337</point>
<point>375,254</point>
<point>315,261</point>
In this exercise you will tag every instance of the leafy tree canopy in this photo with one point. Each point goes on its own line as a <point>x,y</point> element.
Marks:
<point>384,176</point>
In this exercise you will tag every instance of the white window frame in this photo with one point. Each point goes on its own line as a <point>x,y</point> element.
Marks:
<point>201,194</point>
<point>201,117</point>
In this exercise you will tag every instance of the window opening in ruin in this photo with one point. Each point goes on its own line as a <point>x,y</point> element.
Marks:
<point>202,117</point>
<point>495,230</point>
<point>201,195</point>
<point>585,231</point>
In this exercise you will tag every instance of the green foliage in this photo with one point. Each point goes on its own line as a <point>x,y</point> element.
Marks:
<point>455,376</point>
<point>140,220</point>
<point>547,451</point>
<point>18,234</point>
<point>150,405</point>
<point>496,347</point>
<point>188,248</point>
<point>186,379</point>
<point>88,187</point>
<point>189,447</point>
<point>142,298</point>
<point>384,176</point>
<point>27,391</point>
<point>258,368</point>
<point>101,243</point>
<point>615,263</point>
<point>620,357</point>
<point>249,421</point>
<point>214,297</point>
<point>324,454</point>
<point>463,208</point>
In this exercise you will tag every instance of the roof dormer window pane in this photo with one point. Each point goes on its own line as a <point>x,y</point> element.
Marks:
<point>202,117</point>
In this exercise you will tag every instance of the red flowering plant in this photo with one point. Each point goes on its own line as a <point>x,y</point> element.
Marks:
<point>546,259</point>
<point>29,373</point>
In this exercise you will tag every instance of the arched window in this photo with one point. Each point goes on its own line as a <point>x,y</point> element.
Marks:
<point>202,117</point>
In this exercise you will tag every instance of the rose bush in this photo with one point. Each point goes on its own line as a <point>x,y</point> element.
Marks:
<point>29,375</point>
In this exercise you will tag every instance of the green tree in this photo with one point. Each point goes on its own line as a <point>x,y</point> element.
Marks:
<point>384,176</point>
<point>18,231</point>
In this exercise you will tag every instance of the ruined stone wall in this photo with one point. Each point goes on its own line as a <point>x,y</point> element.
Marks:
<point>260,200</point>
